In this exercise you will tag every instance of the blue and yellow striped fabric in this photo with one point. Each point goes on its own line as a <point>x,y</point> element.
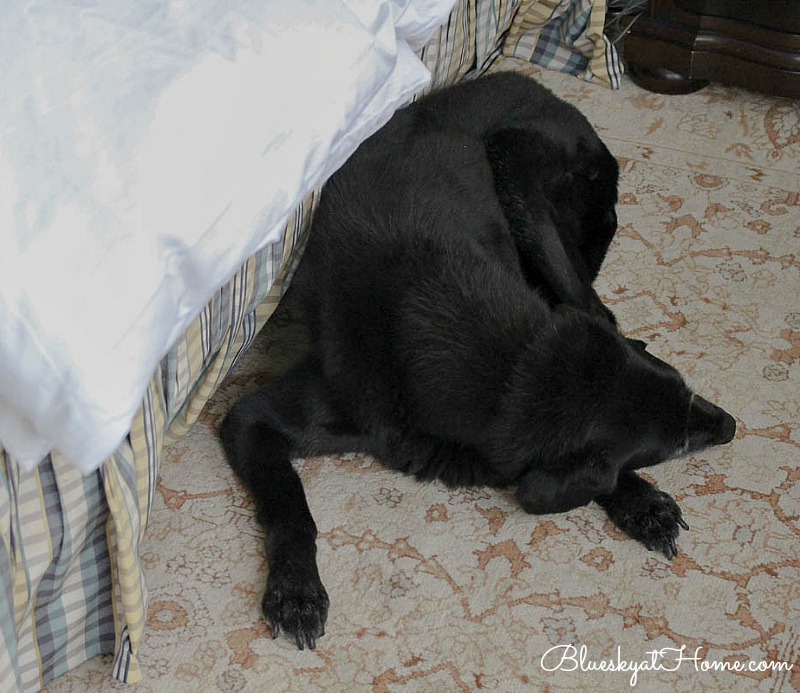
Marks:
<point>55,568</point>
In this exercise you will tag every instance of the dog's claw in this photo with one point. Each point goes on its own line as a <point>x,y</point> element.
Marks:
<point>682,523</point>
<point>304,641</point>
<point>296,604</point>
<point>666,546</point>
<point>671,550</point>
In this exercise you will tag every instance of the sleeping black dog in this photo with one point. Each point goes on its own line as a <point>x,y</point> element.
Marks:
<point>456,335</point>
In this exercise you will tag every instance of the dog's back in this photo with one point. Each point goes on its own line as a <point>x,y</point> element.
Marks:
<point>499,101</point>
<point>405,271</point>
<point>417,302</point>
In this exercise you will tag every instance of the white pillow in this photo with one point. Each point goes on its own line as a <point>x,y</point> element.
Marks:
<point>148,149</point>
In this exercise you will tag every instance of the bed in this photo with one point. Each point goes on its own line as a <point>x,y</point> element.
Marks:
<point>159,165</point>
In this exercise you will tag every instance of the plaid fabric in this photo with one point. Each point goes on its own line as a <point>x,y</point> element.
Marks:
<point>469,41</point>
<point>566,35</point>
<point>55,604</point>
<point>72,585</point>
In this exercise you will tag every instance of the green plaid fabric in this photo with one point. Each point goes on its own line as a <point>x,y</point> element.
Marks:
<point>566,35</point>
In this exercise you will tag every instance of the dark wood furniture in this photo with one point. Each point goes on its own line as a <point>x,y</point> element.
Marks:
<point>678,46</point>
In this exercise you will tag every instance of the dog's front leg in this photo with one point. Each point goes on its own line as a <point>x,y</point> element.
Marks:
<point>295,601</point>
<point>645,513</point>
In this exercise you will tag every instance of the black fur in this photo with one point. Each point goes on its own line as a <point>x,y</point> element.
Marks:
<point>456,335</point>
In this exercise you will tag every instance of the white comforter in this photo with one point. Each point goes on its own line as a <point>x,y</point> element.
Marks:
<point>146,150</point>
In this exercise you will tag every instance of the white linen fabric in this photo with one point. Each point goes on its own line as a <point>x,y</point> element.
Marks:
<point>146,150</point>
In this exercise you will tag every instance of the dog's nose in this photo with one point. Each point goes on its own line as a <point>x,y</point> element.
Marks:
<point>728,428</point>
<point>709,424</point>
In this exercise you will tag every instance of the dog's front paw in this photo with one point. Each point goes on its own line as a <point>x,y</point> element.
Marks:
<point>649,516</point>
<point>296,603</point>
<point>655,521</point>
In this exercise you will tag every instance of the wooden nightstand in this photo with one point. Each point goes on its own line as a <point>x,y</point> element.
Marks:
<point>678,46</point>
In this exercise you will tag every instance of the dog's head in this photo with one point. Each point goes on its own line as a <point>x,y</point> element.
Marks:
<point>592,404</point>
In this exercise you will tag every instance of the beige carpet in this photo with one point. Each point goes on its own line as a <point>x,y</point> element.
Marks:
<point>440,590</point>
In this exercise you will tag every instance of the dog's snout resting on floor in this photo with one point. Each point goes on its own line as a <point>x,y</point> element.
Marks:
<point>456,334</point>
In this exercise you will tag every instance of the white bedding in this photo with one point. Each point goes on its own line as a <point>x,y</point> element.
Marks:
<point>146,150</point>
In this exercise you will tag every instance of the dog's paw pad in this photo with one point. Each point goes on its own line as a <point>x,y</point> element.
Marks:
<point>296,607</point>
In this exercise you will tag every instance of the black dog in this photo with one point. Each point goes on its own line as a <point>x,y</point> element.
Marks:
<point>456,334</point>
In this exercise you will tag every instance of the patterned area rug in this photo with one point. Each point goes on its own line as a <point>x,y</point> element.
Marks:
<point>440,590</point>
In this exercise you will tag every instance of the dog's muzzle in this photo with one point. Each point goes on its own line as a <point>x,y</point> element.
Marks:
<point>707,425</point>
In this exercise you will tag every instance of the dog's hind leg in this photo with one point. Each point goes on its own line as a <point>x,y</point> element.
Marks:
<point>262,433</point>
<point>551,260</point>
<point>548,264</point>
<point>645,513</point>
